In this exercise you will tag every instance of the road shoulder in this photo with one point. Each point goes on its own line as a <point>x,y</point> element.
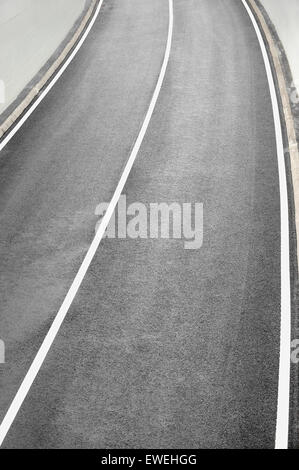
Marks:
<point>289,113</point>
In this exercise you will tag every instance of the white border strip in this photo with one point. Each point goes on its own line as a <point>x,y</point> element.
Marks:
<point>50,337</point>
<point>53,81</point>
<point>283,402</point>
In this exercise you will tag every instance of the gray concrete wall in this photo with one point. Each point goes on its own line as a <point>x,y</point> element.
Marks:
<point>285,17</point>
<point>30,32</point>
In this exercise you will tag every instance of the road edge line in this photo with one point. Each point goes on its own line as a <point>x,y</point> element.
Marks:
<point>283,401</point>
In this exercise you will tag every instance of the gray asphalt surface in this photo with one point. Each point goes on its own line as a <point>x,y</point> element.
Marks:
<point>162,347</point>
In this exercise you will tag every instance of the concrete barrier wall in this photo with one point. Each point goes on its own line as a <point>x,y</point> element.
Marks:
<point>30,32</point>
<point>284,14</point>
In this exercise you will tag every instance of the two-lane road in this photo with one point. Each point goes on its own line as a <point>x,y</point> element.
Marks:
<point>162,347</point>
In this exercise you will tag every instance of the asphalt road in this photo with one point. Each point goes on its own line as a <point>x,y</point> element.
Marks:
<point>162,346</point>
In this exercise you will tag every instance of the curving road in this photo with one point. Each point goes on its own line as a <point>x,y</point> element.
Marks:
<point>162,347</point>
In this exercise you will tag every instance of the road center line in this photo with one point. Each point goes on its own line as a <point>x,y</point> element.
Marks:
<point>283,402</point>
<point>54,329</point>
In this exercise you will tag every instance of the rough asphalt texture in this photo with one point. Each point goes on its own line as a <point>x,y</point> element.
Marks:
<point>162,347</point>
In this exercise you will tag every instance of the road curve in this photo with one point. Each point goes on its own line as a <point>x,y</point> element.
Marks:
<point>162,347</point>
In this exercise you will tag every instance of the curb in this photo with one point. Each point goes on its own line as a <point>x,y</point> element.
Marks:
<point>14,112</point>
<point>283,81</point>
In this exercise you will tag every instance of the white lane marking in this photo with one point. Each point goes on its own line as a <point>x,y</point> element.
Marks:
<point>50,337</point>
<point>283,402</point>
<point>53,81</point>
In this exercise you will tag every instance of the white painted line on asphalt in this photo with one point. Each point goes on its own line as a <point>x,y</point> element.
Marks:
<point>51,335</point>
<point>283,402</point>
<point>53,81</point>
